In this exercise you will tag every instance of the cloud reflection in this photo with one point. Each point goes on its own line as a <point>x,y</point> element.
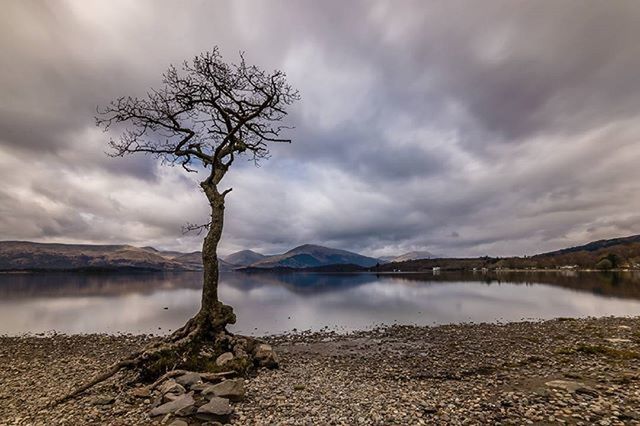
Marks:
<point>272,303</point>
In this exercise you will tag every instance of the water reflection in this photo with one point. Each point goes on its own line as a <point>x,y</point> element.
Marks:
<point>273,303</point>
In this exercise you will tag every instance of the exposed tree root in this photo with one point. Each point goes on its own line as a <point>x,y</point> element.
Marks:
<point>115,368</point>
<point>193,347</point>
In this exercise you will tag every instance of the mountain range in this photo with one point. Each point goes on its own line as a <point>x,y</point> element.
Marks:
<point>29,256</point>
<point>23,255</point>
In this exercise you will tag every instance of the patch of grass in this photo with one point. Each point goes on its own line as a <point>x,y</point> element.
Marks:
<point>564,351</point>
<point>534,359</point>
<point>607,351</point>
<point>191,359</point>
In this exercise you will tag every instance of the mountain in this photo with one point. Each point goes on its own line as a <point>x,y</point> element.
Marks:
<point>309,255</point>
<point>23,255</point>
<point>193,260</point>
<point>598,245</point>
<point>244,258</point>
<point>26,256</point>
<point>412,255</point>
<point>615,253</point>
<point>168,254</point>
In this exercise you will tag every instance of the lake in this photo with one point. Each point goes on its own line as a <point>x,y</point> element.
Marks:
<point>267,303</point>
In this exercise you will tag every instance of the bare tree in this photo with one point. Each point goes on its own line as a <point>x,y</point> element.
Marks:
<point>205,116</point>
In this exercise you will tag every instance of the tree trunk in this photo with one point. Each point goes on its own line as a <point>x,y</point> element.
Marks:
<point>213,314</point>
<point>183,348</point>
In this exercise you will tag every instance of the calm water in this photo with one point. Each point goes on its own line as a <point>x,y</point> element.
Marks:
<point>274,303</point>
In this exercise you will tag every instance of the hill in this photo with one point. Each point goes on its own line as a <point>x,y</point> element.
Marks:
<point>412,255</point>
<point>23,255</point>
<point>29,256</point>
<point>595,246</point>
<point>244,258</point>
<point>311,256</point>
<point>614,253</point>
<point>193,261</point>
<point>602,254</point>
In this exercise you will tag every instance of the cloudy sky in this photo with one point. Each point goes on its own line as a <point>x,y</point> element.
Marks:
<point>507,128</point>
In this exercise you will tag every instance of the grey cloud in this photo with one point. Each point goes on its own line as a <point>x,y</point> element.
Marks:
<point>508,128</point>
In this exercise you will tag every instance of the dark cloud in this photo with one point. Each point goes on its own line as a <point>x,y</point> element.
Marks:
<point>505,128</point>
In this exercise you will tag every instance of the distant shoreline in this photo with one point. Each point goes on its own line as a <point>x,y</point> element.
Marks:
<point>323,270</point>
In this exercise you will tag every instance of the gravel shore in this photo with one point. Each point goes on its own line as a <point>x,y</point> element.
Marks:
<point>564,371</point>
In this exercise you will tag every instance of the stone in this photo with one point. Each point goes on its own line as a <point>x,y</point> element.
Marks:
<point>587,391</point>
<point>231,389</point>
<point>265,356</point>
<point>141,392</point>
<point>616,340</point>
<point>224,358</point>
<point>103,400</point>
<point>217,409</point>
<point>170,386</point>
<point>168,397</point>
<point>189,379</point>
<point>181,403</point>
<point>199,387</point>
<point>156,402</point>
<point>567,385</point>
<point>186,411</point>
<point>178,422</point>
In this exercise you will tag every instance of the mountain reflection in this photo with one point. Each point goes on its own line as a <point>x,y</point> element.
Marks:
<point>613,284</point>
<point>272,303</point>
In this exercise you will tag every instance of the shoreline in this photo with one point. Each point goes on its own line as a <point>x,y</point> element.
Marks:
<point>446,374</point>
<point>124,271</point>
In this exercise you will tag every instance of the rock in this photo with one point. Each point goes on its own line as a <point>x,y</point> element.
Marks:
<point>181,403</point>
<point>265,356</point>
<point>156,402</point>
<point>567,385</point>
<point>624,327</point>
<point>189,379</point>
<point>298,387</point>
<point>217,409</point>
<point>231,389</point>
<point>178,422</point>
<point>587,391</point>
<point>199,387</point>
<point>168,397</point>
<point>186,411</point>
<point>224,358</point>
<point>103,400</point>
<point>170,386</point>
<point>141,392</point>
<point>616,340</point>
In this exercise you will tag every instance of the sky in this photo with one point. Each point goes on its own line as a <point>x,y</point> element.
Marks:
<point>460,127</point>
